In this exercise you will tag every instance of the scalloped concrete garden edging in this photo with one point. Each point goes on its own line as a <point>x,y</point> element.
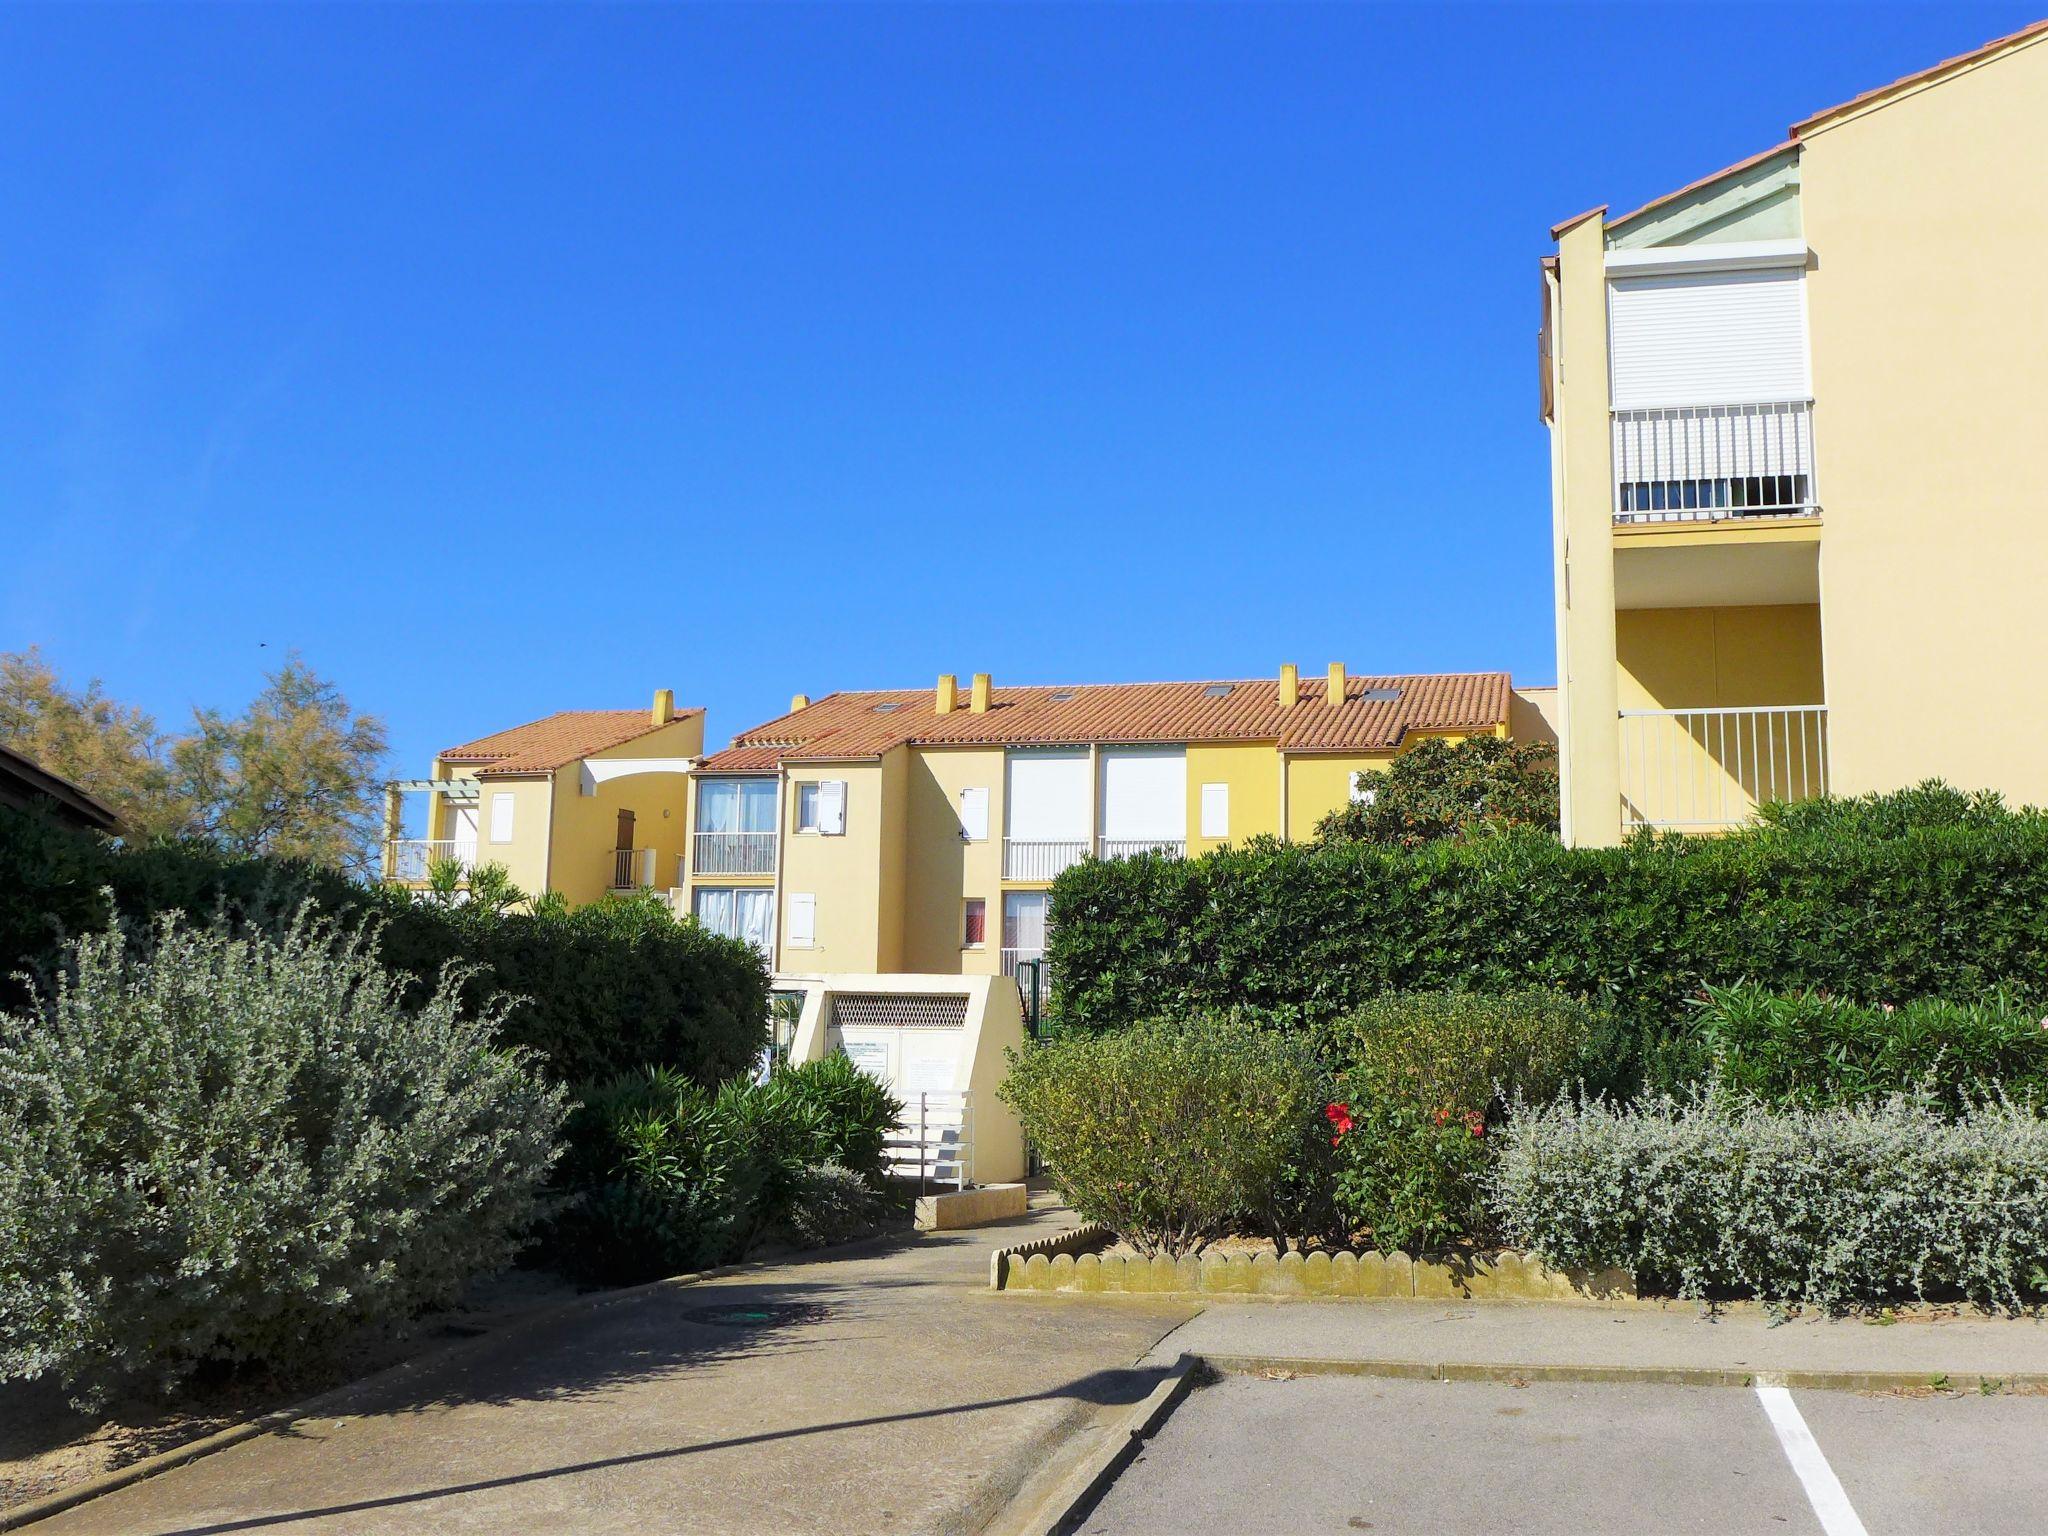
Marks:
<point>1060,1265</point>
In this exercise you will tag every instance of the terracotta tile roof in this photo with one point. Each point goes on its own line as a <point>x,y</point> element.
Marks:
<point>541,746</point>
<point>1376,714</point>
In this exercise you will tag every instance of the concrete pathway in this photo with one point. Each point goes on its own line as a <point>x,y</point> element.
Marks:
<point>884,1393</point>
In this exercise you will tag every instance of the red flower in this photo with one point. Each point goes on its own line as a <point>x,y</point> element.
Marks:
<point>1339,1115</point>
<point>1476,1124</point>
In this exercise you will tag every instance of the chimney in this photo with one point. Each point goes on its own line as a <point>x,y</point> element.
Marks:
<point>1290,685</point>
<point>664,706</point>
<point>1336,694</point>
<point>949,694</point>
<point>799,701</point>
<point>979,703</point>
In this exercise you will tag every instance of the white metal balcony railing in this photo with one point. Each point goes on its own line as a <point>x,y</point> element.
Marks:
<point>408,859</point>
<point>1706,463</point>
<point>1127,847</point>
<point>934,1141</point>
<point>632,868</point>
<point>1700,769</point>
<point>733,853</point>
<point>1041,858</point>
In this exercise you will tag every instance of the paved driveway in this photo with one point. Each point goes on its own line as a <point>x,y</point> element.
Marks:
<point>890,1393</point>
<point>1345,1453</point>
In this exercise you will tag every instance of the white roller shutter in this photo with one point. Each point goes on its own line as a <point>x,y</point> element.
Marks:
<point>1708,338</point>
<point>1045,797</point>
<point>1144,794</point>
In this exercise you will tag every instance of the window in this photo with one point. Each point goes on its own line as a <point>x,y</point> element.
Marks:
<point>976,928</point>
<point>737,912</point>
<point>803,920</point>
<point>501,817</point>
<point>821,807</point>
<point>974,815</point>
<point>1362,790</point>
<point>1215,810</point>
<point>736,805</point>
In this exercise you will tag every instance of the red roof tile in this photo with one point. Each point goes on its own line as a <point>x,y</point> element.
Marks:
<point>1377,713</point>
<point>541,746</point>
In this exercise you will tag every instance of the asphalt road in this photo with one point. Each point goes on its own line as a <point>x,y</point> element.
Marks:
<point>1346,1453</point>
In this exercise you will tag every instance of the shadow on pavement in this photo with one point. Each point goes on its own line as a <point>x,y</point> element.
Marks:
<point>1117,1388</point>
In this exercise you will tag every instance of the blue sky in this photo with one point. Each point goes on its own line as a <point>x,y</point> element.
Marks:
<point>507,360</point>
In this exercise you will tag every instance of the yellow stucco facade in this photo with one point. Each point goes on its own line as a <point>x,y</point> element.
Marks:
<point>1880,636</point>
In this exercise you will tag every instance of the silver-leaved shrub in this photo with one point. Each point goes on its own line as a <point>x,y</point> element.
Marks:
<point>245,1151</point>
<point>1842,1207</point>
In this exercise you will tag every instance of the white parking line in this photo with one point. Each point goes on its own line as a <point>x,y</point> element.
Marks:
<point>1823,1489</point>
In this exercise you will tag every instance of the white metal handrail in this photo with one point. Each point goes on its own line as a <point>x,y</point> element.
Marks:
<point>1700,769</point>
<point>934,1141</point>
<point>1028,858</point>
<point>409,859</point>
<point>1127,847</point>
<point>1704,463</point>
<point>632,868</point>
<point>733,853</point>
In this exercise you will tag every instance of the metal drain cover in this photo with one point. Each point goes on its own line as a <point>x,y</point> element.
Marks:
<point>764,1314</point>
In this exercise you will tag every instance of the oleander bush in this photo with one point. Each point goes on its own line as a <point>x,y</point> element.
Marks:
<point>596,991</point>
<point>1172,1132</point>
<point>1907,896</point>
<point>1810,1050</point>
<point>1424,1077</point>
<point>664,1176</point>
<point>1841,1207</point>
<point>221,1151</point>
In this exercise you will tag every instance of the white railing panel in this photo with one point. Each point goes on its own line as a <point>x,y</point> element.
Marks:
<point>733,853</point>
<point>1127,847</point>
<point>934,1141</point>
<point>1703,463</point>
<point>632,869</point>
<point>1040,858</point>
<point>408,859</point>
<point>1694,770</point>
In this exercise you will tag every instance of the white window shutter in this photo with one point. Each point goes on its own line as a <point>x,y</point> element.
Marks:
<point>1710,338</point>
<point>832,807</point>
<point>803,920</point>
<point>501,818</point>
<point>974,815</point>
<point>1215,810</point>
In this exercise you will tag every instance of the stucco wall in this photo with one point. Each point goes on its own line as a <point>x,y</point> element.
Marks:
<point>844,872</point>
<point>584,828</point>
<point>1928,220</point>
<point>942,869</point>
<point>1710,658</point>
<point>1252,770</point>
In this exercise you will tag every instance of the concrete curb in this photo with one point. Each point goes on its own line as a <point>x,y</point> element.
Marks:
<point>322,1404</point>
<point>1002,1260</point>
<point>1645,1375</point>
<point>1076,1486</point>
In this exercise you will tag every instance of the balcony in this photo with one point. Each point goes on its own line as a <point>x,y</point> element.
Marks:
<point>733,853</point>
<point>1714,463</point>
<point>1041,858</point>
<point>407,860</point>
<point>631,869</point>
<point>1703,770</point>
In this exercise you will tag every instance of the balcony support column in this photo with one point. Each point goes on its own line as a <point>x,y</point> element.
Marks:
<point>1582,490</point>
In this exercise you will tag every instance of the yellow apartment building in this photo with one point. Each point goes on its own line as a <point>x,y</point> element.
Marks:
<point>918,831</point>
<point>582,802</point>
<point>1796,414</point>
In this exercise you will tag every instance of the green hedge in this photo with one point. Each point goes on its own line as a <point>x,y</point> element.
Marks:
<point>601,990</point>
<point>1308,931</point>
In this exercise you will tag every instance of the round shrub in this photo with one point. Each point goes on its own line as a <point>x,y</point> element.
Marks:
<point>1170,1132</point>
<point>241,1151</point>
<point>833,1204</point>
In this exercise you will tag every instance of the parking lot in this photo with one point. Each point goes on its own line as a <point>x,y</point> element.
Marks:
<point>1350,1453</point>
